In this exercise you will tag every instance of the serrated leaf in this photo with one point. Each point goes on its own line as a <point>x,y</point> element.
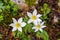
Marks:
<point>45,11</point>
<point>48,11</point>
<point>45,6</point>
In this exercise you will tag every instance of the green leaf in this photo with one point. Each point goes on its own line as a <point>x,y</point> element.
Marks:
<point>1,18</point>
<point>45,17</point>
<point>11,3</point>
<point>30,2</point>
<point>0,10</point>
<point>1,6</point>
<point>26,19</point>
<point>8,7</point>
<point>45,6</point>
<point>29,37</point>
<point>45,35</point>
<point>48,11</point>
<point>28,28</point>
<point>15,8</point>
<point>19,34</point>
<point>58,39</point>
<point>1,3</point>
<point>38,34</point>
<point>58,0</point>
<point>45,11</point>
<point>25,38</point>
<point>14,34</point>
<point>5,1</point>
<point>0,36</point>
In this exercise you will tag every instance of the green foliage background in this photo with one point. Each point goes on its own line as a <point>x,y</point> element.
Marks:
<point>9,10</point>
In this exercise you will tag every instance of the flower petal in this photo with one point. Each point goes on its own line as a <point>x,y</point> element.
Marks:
<point>43,26</point>
<point>33,27</point>
<point>14,20</point>
<point>41,30</point>
<point>39,15</point>
<point>35,22</point>
<point>12,25</point>
<point>36,30</point>
<point>20,29</point>
<point>42,23</point>
<point>23,24</point>
<point>14,29</point>
<point>39,20</point>
<point>29,14</point>
<point>30,20</point>
<point>20,20</point>
<point>35,12</point>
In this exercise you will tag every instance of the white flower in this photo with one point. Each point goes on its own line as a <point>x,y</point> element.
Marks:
<point>17,25</point>
<point>34,17</point>
<point>38,26</point>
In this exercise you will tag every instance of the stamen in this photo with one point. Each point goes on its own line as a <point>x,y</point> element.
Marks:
<point>34,17</point>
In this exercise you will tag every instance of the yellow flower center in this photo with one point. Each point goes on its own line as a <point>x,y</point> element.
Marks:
<point>34,17</point>
<point>18,25</point>
<point>38,26</point>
